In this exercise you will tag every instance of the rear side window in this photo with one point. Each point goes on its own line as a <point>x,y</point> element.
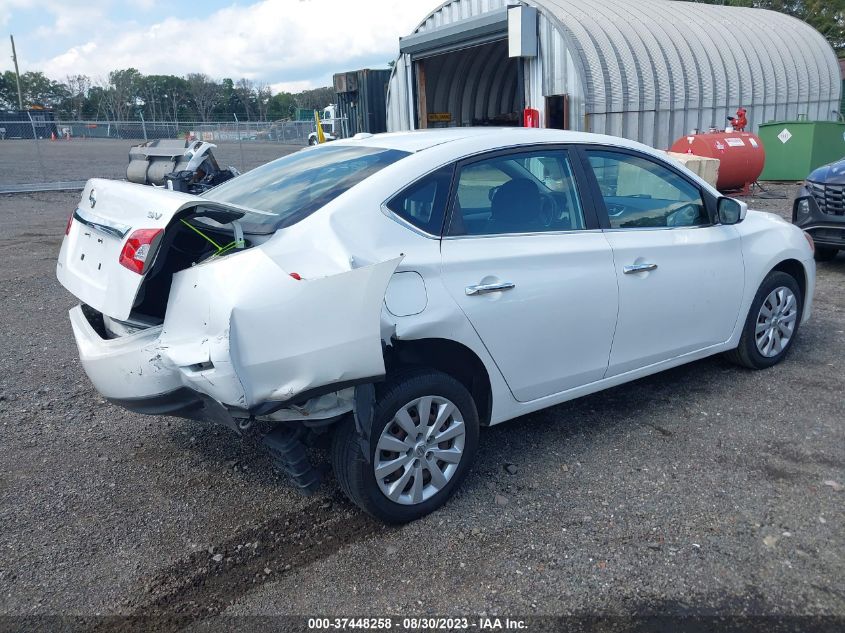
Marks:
<point>641,193</point>
<point>291,188</point>
<point>423,204</point>
<point>532,192</point>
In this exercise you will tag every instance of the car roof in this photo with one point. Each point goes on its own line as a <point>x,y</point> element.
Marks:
<point>419,140</point>
<point>459,142</point>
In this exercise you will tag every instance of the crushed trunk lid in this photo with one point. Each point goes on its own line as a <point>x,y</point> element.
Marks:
<point>107,215</point>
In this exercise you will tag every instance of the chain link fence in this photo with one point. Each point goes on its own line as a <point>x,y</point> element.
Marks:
<point>33,150</point>
<point>288,132</point>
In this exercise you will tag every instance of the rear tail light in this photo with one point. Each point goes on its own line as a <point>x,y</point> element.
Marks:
<point>139,249</point>
<point>69,222</point>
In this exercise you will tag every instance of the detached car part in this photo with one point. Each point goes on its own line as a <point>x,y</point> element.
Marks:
<point>186,166</point>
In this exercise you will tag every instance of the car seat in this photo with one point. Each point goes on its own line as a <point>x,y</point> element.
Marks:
<point>516,207</point>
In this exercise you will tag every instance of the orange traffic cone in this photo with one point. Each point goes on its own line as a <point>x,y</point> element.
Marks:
<point>52,136</point>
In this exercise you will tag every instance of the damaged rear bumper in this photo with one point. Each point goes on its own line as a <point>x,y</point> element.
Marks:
<point>132,372</point>
<point>181,403</point>
<point>235,345</point>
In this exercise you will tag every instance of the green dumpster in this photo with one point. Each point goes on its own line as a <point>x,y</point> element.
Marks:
<point>795,148</point>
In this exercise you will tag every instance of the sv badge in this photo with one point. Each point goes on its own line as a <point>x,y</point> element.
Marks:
<point>153,215</point>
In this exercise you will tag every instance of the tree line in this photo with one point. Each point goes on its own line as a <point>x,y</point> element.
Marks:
<point>128,95</point>
<point>826,16</point>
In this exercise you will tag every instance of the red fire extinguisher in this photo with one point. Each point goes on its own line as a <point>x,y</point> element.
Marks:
<point>531,117</point>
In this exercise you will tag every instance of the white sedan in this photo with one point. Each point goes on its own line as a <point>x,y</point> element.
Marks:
<point>393,293</point>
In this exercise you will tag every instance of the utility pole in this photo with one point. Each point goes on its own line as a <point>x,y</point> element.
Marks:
<point>17,72</point>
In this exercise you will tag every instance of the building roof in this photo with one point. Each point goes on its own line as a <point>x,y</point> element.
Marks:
<point>654,54</point>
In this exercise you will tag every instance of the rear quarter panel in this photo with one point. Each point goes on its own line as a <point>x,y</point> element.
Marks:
<point>355,229</point>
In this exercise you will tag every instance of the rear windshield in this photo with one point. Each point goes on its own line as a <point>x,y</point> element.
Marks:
<point>291,188</point>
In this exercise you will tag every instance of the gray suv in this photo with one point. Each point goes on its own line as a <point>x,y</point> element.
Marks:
<point>819,209</point>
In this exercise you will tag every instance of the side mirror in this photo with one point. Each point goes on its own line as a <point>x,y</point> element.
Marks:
<point>731,211</point>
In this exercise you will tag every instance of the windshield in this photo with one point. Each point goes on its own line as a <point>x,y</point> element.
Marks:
<point>287,190</point>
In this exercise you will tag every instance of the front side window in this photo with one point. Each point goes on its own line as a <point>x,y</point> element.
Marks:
<point>533,192</point>
<point>287,190</point>
<point>423,204</point>
<point>640,193</point>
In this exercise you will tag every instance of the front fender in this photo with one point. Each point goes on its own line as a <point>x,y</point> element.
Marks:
<point>767,242</point>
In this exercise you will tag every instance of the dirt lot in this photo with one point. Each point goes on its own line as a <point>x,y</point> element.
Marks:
<point>702,490</point>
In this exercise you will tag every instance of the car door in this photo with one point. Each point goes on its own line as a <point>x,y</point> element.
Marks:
<point>527,263</point>
<point>680,274</point>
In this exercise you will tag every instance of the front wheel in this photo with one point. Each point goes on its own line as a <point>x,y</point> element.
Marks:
<point>772,323</point>
<point>422,442</point>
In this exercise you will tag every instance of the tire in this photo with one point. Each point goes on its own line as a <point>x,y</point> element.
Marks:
<point>312,141</point>
<point>357,476</point>
<point>825,253</point>
<point>762,350</point>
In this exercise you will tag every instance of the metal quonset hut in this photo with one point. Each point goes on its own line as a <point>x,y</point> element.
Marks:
<point>650,70</point>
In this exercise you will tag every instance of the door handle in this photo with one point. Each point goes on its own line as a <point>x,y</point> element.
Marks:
<point>639,268</point>
<point>484,289</point>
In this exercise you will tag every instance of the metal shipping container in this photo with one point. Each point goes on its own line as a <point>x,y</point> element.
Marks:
<point>27,124</point>
<point>304,114</point>
<point>361,100</point>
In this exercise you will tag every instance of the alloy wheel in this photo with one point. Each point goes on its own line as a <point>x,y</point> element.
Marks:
<point>776,322</point>
<point>419,450</point>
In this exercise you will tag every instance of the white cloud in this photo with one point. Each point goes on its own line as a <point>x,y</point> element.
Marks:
<point>67,18</point>
<point>291,86</point>
<point>7,8</point>
<point>72,56</point>
<point>88,19</point>
<point>290,43</point>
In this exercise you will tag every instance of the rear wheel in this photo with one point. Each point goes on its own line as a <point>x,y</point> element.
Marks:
<point>422,443</point>
<point>825,253</point>
<point>772,323</point>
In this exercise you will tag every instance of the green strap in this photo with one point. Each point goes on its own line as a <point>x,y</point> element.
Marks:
<point>220,249</point>
<point>196,230</point>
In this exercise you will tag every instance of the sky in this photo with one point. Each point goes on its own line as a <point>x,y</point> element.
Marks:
<point>290,45</point>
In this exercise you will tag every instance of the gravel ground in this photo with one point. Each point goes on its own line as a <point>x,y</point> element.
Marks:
<point>706,489</point>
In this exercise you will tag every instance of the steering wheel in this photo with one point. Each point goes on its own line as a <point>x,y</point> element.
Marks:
<point>614,210</point>
<point>683,214</point>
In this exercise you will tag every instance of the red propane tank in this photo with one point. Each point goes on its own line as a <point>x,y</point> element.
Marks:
<point>741,155</point>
